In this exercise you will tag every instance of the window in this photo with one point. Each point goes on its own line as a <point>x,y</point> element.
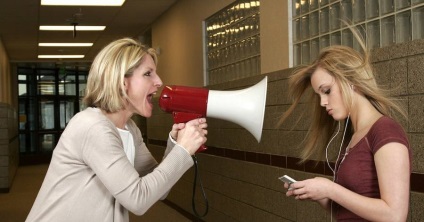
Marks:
<point>233,42</point>
<point>318,24</point>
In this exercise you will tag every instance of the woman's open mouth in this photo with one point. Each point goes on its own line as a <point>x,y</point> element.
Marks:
<point>150,97</point>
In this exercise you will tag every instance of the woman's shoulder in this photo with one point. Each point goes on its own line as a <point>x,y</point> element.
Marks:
<point>88,118</point>
<point>90,113</point>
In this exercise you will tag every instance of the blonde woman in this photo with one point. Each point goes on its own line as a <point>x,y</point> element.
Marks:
<point>372,172</point>
<point>101,168</point>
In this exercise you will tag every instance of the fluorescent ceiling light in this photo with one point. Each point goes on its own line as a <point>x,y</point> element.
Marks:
<point>65,44</point>
<point>71,28</point>
<point>84,2</point>
<point>60,56</point>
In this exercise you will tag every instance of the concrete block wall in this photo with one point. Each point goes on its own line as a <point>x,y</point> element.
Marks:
<point>9,146</point>
<point>240,175</point>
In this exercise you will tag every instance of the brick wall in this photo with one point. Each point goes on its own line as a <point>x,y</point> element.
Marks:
<point>240,175</point>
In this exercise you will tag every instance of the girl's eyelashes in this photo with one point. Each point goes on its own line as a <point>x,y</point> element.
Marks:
<point>327,91</point>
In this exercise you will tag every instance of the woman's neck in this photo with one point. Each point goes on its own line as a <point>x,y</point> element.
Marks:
<point>119,118</point>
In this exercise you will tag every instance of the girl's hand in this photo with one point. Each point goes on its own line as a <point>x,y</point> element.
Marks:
<point>313,189</point>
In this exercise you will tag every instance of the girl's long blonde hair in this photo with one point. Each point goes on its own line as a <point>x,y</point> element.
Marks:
<point>348,67</point>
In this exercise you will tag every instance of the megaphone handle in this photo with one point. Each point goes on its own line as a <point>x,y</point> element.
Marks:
<point>182,117</point>
<point>201,149</point>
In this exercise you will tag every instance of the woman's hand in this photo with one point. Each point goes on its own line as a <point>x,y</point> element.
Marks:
<point>315,189</point>
<point>190,135</point>
<point>175,128</point>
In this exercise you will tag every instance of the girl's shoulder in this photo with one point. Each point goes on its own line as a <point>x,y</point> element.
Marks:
<point>386,130</point>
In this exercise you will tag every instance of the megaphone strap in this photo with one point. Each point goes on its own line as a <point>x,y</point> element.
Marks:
<point>193,203</point>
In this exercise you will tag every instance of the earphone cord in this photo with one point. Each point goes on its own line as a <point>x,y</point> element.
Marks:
<point>193,204</point>
<point>338,156</point>
<point>326,150</point>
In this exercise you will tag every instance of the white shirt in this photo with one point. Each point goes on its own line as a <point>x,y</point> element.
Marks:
<point>128,141</point>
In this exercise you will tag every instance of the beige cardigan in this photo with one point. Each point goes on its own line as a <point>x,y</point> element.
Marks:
<point>90,178</point>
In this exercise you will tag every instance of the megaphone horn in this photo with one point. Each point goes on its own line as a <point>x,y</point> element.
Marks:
<point>245,107</point>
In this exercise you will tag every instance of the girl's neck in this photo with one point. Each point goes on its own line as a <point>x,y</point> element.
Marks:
<point>365,115</point>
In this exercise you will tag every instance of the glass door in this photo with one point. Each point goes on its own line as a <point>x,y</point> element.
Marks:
<point>48,98</point>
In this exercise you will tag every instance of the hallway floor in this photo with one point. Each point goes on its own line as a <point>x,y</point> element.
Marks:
<point>15,205</point>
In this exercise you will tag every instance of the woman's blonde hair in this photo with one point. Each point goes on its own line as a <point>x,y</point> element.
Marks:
<point>105,84</point>
<point>348,68</point>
